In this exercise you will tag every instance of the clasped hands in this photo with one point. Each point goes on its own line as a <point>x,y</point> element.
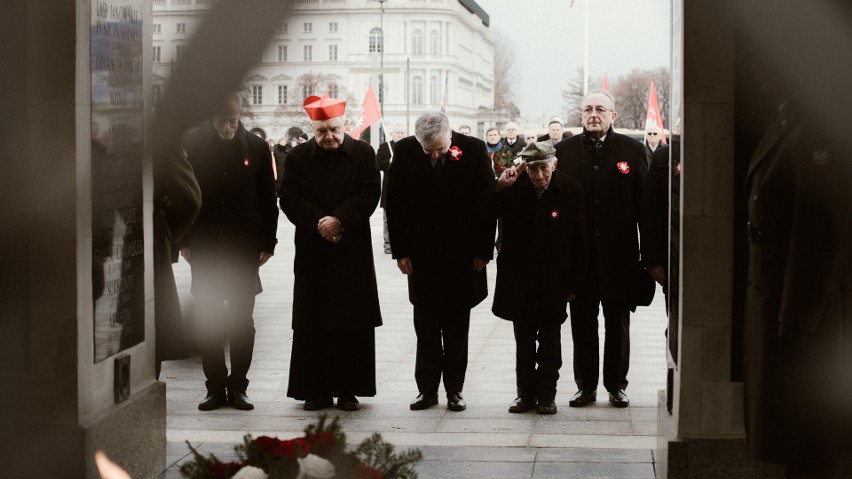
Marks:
<point>330,229</point>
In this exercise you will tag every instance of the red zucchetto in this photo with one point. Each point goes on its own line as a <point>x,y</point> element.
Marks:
<point>324,108</point>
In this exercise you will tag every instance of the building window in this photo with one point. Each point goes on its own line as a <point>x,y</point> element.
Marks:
<point>282,53</point>
<point>256,94</point>
<point>433,91</point>
<point>307,90</point>
<point>181,27</point>
<point>332,53</point>
<point>308,53</point>
<point>332,27</point>
<point>308,27</point>
<point>332,90</point>
<point>417,42</point>
<point>376,40</point>
<point>434,43</point>
<point>417,91</point>
<point>282,94</point>
<point>283,28</point>
<point>157,54</point>
<point>156,28</point>
<point>179,51</point>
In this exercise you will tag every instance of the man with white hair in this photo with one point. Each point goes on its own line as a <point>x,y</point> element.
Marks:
<point>608,166</point>
<point>442,245</point>
<point>233,235</point>
<point>511,139</point>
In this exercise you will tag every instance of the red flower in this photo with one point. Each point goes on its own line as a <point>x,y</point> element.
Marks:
<point>245,162</point>
<point>290,449</point>
<point>322,443</point>
<point>623,167</point>
<point>364,471</point>
<point>455,153</point>
<point>554,214</point>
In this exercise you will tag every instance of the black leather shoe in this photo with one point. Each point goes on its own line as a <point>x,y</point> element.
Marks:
<point>582,398</point>
<point>239,400</point>
<point>546,407</point>
<point>315,403</point>
<point>455,402</point>
<point>214,400</point>
<point>618,398</point>
<point>424,401</point>
<point>520,405</point>
<point>347,403</point>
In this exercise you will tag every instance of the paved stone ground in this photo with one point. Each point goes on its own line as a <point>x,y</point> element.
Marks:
<point>597,441</point>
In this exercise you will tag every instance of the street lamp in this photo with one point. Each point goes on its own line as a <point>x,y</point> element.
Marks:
<point>382,68</point>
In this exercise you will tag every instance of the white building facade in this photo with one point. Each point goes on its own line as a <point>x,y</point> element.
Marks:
<point>437,54</point>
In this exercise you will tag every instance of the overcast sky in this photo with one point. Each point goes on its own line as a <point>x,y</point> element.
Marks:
<point>548,43</point>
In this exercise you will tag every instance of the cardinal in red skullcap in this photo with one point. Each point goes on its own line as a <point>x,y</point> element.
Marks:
<point>330,188</point>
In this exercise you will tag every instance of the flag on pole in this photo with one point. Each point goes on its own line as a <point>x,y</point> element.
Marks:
<point>571,5</point>
<point>653,117</point>
<point>606,83</point>
<point>370,113</point>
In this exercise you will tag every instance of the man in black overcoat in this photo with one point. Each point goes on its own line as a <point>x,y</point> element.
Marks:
<point>329,190</point>
<point>540,268</point>
<point>233,235</point>
<point>384,157</point>
<point>438,240</point>
<point>607,165</point>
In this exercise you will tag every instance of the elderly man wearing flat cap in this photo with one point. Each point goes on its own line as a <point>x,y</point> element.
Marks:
<point>540,268</point>
<point>330,187</point>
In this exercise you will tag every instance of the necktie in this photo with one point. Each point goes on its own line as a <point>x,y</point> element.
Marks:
<point>437,168</point>
<point>598,144</point>
<point>539,192</point>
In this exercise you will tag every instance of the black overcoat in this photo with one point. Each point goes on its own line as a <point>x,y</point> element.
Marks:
<point>655,211</point>
<point>177,202</point>
<point>335,284</point>
<point>435,222</point>
<point>797,394</point>
<point>238,218</point>
<point>383,159</point>
<point>544,252</point>
<point>612,181</point>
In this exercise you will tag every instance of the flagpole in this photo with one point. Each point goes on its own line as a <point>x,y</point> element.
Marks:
<point>585,47</point>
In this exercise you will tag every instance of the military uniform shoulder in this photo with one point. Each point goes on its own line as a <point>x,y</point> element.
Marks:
<point>567,183</point>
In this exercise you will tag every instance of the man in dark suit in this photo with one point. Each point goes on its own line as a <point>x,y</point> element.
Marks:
<point>233,235</point>
<point>798,325</point>
<point>607,165</point>
<point>329,190</point>
<point>384,157</point>
<point>438,240</point>
<point>512,140</point>
<point>540,268</point>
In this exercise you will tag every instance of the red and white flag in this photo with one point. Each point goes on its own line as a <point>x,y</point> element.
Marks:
<point>370,113</point>
<point>606,83</point>
<point>653,117</point>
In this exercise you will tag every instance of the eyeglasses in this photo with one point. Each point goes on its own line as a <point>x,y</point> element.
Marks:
<point>597,109</point>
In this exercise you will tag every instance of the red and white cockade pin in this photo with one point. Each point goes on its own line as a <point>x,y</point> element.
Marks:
<point>623,167</point>
<point>554,214</point>
<point>455,153</point>
<point>245,162</point>
<point>677,168</point>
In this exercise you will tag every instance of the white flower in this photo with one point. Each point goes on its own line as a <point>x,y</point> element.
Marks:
<point>315,467</point>
<point>250,472</point>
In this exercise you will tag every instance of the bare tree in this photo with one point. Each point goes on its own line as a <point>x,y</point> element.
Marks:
<point>505,75</point>
<point>573,95</point>
<point>631,96</point>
